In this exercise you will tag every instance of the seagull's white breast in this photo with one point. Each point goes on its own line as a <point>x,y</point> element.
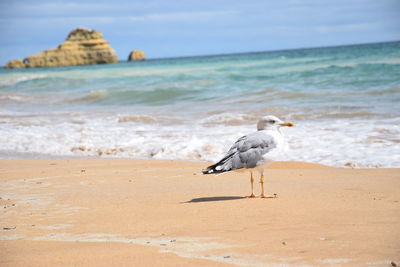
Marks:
<point>275,153</point>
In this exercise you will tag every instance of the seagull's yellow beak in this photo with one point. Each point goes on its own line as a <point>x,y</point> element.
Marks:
<point>288,124</point>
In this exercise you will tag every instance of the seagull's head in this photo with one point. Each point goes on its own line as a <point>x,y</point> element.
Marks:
<point>271,122</point>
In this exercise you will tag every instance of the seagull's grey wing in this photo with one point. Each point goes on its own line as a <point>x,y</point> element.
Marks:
<point>247,152</point>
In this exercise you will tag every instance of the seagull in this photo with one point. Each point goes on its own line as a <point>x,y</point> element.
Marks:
<point>254,151</point>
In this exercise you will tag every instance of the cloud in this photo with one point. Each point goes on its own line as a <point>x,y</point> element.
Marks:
<point>347,27</point>
<point>182,16</point>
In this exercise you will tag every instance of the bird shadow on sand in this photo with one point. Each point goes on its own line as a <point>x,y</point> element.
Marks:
<point>213,199</point>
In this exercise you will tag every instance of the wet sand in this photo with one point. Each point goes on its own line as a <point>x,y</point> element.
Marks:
<point>119,212</point>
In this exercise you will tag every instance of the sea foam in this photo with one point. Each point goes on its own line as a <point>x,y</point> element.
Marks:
<point>331,142</point>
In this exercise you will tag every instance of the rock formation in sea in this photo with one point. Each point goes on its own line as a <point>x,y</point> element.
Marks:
<point>82,47</point>
<point>136,55</point>
<point>14,64</point>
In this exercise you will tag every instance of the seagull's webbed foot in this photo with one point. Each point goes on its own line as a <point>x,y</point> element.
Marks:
<point>264,196</point>
<point>251,196</point>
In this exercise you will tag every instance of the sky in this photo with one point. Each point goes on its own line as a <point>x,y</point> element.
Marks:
<point>164,28</point>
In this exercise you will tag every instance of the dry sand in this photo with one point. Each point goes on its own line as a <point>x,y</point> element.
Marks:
<point>114,212</point>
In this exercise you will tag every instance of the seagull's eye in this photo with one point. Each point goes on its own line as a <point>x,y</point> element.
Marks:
<point>272,121</point>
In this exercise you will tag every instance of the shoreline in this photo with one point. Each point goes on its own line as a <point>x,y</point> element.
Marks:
<point>116,212</point>
<point>273,165</point>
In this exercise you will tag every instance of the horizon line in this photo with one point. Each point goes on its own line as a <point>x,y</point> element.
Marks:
<point>254,52</point>
<point>272,50</point>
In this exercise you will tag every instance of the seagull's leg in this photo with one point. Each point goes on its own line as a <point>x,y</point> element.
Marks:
<point>252,188</point>
<point>262,185</point>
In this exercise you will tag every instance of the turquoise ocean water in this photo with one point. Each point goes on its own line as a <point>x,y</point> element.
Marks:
<point>345,102</point>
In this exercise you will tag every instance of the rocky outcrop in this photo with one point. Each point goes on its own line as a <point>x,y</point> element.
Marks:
<point>82,47</point>
<point>14,64</point>
<point>136,55</point>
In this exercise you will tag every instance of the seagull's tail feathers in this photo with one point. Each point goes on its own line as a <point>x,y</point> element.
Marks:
<point>223,165</point>
<point>214,169</point>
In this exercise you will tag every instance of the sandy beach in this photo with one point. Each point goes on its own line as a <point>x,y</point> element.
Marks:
<point>120,212</point>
